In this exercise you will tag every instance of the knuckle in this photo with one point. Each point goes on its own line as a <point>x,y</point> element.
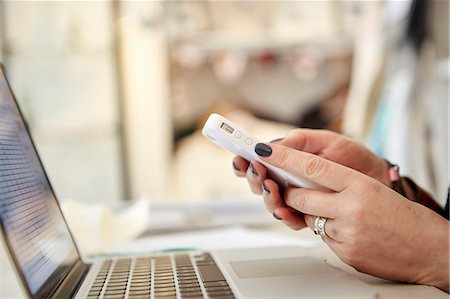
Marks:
<point>351,256</point>
<point>302,203</point>
<point>256,191</point>
<point>331,134</point>
<point>289,199</point>
<point>271,206</point>
<point>256,188</point>
<point>240,174</point>
<point>284,158</point>
<point>309,220</point>
<point>352,236</point>
<point>332,231</point>
<point>294,132</point>
<point>313,167</point>
<point>298,200</point>
<point>357,211</point>
<point>295,226</point>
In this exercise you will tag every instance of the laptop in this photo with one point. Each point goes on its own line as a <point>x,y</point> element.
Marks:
<point>48,264</point>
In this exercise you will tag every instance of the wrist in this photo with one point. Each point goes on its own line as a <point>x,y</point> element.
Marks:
<point>437,269</point>
<point>425,256</point>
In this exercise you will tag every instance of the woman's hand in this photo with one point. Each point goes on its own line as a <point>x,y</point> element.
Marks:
<point>369,226</point>
<point>326,144</point>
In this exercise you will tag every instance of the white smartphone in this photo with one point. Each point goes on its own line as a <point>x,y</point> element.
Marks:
<point>229,136</point>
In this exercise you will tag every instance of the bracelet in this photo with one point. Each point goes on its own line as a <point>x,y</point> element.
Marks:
<point>416,194</point>
<point>396,179</point>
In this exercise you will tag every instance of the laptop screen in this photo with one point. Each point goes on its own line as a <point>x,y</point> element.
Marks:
<point>33,225</point>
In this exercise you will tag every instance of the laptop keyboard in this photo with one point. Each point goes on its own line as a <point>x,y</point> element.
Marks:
<point>161,277</point>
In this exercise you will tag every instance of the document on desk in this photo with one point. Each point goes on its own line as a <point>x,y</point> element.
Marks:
<point>220,238</point>
<point>177,217</point>
<point>97,226</point>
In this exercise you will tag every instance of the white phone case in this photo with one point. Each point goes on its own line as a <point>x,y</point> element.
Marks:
<point>229,136</point>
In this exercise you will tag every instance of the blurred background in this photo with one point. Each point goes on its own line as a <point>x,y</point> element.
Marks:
<point>115,92</point>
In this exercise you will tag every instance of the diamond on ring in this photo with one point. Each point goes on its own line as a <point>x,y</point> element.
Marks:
<point>319,226</point>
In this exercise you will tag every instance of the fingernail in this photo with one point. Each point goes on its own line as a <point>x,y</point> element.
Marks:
<point>235,167</point>
<point>252,169</point>
<point>276,140</point>
<point>276,216</point>
<point>263,150</point>
<point>265,188</point>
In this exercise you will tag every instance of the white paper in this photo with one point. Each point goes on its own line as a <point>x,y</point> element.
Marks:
<point>97,227</point>
<point>222,238</point>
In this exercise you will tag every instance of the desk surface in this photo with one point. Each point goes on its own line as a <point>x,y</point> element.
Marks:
<point>9,287</point>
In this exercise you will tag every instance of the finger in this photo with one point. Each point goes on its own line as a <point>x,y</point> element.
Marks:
<point>256,173</point>
<point>272,196</point>
<point>330,228</point>
<point>240,166</point>
<point>305,165</point>
<point>312,202</point>
<point>294,220</point>
<point>309,220</point>
<point>275,205</point>
<point>310,140</point>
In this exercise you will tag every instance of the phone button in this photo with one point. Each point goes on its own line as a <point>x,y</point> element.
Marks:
<point>249,141</point>
<point>238,134</point>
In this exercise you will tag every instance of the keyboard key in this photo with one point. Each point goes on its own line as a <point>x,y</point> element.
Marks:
<point>188,285</point>
<point>141,281</point>
<point>215,283</point>
<point>139,287</point>
<point>167,293</point>
<point>192,295</point>
<point>116,289</point>
<point>116,285</point>
<point>210,273</point>
<point>141,278</point>
<point>139,293</point>
<point>95,294</point>
<point>114,293</point>
<point>192,275</point>
<point>165,285</point>
<point>164,280</point>
<point>219,294</point>
<point>166,289</point>
<point>187,281</point>
<point>163,275</point>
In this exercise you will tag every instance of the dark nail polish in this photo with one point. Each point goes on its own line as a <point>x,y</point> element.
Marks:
<point>263,150</point>
<point>265,188</point>
<point>276,216</point>
<point>252,169</point>
<point>276,140</point>
<point>235,167</point>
